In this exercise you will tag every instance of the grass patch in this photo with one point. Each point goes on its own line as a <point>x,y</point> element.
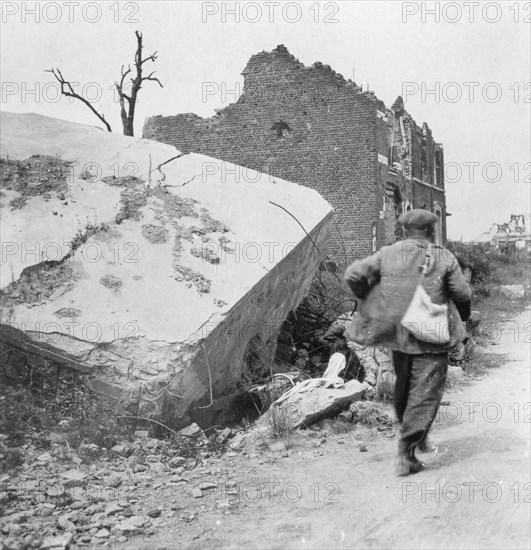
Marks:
<point>482,362</point>
<point>25,417</point>
<point>21,418</point>
<point>279,424</point>
<point>20,412</point>
<point>490,269</point>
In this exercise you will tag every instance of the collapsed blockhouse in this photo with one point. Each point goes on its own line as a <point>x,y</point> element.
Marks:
<point>160,277</point>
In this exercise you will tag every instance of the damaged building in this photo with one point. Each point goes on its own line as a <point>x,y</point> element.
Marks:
<point>516,232</point>
<point>312,126</point>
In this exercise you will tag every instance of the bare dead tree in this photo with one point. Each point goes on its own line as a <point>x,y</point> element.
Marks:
<point>68,90</point>
<point>128,115</point>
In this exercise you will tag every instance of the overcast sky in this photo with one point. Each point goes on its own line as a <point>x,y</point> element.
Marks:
<point>475,59</point>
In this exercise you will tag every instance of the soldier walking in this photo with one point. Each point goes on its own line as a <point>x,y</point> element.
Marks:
<point>386,283</point>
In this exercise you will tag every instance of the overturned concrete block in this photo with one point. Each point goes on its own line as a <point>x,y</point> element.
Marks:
<point>303,409</point>
<point>163,278</point>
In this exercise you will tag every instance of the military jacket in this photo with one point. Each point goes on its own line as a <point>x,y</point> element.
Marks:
<point>386,282</point>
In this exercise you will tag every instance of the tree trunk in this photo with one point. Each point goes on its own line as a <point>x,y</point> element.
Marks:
<point>128,127</point>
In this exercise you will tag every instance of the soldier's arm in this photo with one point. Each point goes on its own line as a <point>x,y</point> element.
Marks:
<point>459,290</point>
<point>362,275</point>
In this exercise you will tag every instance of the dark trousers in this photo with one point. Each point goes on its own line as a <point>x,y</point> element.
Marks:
<point>420,382</point>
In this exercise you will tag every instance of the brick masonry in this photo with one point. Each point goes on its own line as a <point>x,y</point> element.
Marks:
<point>311,126</point>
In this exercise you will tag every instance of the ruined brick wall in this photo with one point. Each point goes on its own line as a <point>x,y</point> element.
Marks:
<point>311,126</point>
<point>306,125</point>
<point>411,169</point>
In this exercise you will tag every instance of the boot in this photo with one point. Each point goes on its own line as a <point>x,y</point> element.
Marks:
<point>405,466</point>
<point>407,463</point>
<point>426,446</point>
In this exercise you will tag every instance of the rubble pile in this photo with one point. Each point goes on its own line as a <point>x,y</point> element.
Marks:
<point>123,494</point>
<point>64,497</point>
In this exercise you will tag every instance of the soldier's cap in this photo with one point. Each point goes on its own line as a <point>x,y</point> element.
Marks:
<point>418,217</point>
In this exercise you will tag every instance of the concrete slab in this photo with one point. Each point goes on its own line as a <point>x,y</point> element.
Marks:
<point>165,274</point>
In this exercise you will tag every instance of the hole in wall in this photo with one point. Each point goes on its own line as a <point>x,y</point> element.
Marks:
<point>282,130</point>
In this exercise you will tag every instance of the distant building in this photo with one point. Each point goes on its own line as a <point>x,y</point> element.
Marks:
<point>517,230</point>
<point>311,126</point>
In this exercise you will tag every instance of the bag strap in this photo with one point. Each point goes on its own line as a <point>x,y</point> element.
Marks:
<point>426,265</point>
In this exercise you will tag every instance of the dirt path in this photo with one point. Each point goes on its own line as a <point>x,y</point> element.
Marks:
<point>474,494</point>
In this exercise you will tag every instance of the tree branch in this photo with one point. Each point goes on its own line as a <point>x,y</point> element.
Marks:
<point>68,90</point>
<point>152,57</point>
<point>124,74</point>
<point>150,77</point>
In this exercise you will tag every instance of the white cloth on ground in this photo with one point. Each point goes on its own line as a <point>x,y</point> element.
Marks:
<point>330,379</point>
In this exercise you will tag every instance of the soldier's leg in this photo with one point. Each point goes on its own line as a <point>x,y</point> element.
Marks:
<point>427,382</point>
<point>401,364</point>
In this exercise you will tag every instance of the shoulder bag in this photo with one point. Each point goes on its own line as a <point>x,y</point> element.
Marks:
<point>425,320</point>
